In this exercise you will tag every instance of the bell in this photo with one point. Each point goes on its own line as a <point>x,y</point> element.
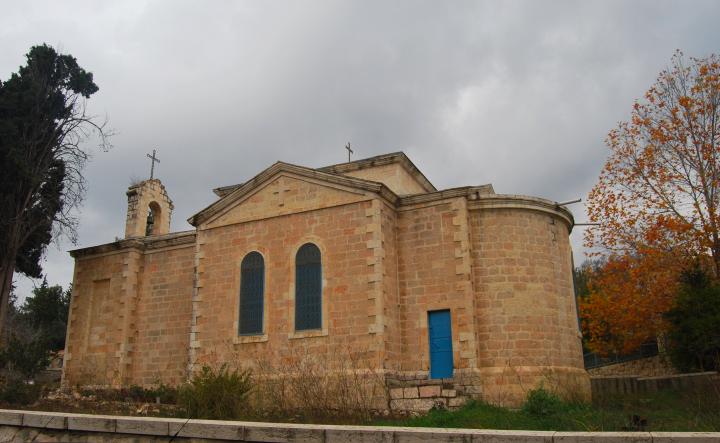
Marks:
<point>149,224</point>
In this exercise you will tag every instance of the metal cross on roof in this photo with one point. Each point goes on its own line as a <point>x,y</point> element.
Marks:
<point>153,160</point>
<point>350,151</point>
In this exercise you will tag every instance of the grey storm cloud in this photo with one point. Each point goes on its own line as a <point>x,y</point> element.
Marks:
<point>519,94</point>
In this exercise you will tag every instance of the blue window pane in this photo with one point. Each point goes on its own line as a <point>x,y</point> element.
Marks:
<point>308,288</point>
<point>252,281</point>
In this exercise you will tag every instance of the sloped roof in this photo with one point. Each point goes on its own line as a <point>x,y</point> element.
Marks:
<point>343,168</point>
<point>380,160</point>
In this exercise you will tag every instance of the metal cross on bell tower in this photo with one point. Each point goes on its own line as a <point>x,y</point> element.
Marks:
<point>350,151</point>
<point>153,160</point>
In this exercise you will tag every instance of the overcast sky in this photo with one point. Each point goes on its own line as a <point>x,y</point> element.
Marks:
<point>517,94</point>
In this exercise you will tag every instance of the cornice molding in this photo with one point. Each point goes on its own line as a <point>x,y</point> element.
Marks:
<point>140,244</point>
<point>468,192</point>
<point>512,201</point>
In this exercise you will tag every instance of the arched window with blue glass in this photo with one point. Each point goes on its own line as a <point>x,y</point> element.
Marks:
<point>252,288</point>
<point>308,288</point>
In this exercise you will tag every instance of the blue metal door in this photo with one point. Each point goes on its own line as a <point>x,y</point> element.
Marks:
<point>440,337</point>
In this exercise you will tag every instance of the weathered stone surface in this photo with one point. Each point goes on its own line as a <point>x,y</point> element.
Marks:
<point>86,422</point>
<point>602,437</point>
<point>283,433</point>
<point>410,435</point>
<point>685,437</point>
<point>357,434</point>
<point>142,425</point>
<point>212,429</point>
<point>429,391</point>
<point>149,429</point>
<point>449,393</point>
<point>396,393</point>
<point>412,404</point>
<point>9,417</point>
<point>410,392</point>
<point>496,436</point>
<point>43,420</point>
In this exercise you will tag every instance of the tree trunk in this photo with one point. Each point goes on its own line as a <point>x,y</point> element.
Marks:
<point>7,269</point>
<point>716,258</point>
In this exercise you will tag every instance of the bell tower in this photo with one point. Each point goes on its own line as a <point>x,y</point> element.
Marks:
<point>149,209</point>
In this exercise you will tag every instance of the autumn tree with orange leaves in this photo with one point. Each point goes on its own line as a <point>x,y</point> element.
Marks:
<point>657,205</point>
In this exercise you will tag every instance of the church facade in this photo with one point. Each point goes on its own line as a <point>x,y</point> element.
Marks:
<point>364,257</point>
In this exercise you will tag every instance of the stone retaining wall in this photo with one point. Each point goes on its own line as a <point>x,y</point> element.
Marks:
<point>603,386</point>
<point>658,365</point>
<point>414,391</point>
<point>26,426</point>
<point>423,395</point>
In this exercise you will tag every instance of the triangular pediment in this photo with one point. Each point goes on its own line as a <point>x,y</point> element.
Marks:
<point>285,189</point>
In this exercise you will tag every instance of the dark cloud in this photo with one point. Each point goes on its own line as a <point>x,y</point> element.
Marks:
<point>518,94</point>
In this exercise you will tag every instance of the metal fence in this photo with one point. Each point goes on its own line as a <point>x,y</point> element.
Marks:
<point>593,360</point>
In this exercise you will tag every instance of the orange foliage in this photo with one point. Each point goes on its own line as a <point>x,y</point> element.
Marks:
<point>627,299</point>
<point>657,203</point>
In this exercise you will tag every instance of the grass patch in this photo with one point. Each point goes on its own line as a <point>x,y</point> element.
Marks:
<point>659,411</point>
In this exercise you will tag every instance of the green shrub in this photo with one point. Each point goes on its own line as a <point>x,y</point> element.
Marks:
<point>25,356</point>
<point>217,395</point>
<point>694,332</point>
<point>20,393</point>
<point>541,403</point>
<point>167,394</point>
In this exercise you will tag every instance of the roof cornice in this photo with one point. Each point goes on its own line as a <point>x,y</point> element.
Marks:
<point>465,191</point>
<point>137,243</point>
<point>511,201</point>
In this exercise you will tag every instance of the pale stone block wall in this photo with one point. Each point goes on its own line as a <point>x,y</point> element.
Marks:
<point>161,333</point>
<point>94,340</point>
<point>129,318</point>
<point>352,291</point>
<point>526,317</point>
<point>434,274</point>
<point>392,308</point>
<point>394,176</point>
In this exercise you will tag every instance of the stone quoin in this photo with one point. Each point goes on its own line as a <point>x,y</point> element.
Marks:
<point>357,258</point>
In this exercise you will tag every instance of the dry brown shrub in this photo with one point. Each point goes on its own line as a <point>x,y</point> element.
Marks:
<point>336,384</point>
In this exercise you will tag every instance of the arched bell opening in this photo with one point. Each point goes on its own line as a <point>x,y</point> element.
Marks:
<point>153,221</point>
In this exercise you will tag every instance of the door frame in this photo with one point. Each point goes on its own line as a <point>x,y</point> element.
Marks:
<point>452,348</point>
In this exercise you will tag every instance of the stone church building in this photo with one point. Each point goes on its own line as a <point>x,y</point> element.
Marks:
<point>364,257</point>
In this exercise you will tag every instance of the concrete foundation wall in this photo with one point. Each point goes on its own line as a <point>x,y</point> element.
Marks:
<point>26,426</point>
